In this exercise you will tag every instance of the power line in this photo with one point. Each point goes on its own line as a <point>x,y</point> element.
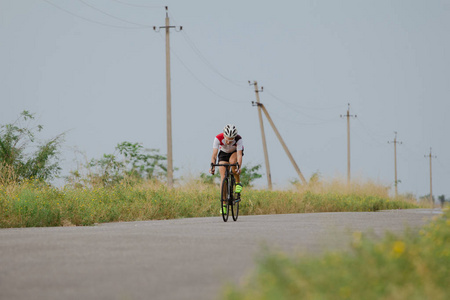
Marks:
<point>289,104</point>
<point>138,5</point>
<point>446,169</point>
<point>412,152</point>
<point>89,20</point>
<point>365,138</point>
<point>192,45</point>
<point>294,108</point>
<point>112,16</point>
<point>200,81</point>
<point>197,51</point>
<point>284,118</point>
<point>369,132</point>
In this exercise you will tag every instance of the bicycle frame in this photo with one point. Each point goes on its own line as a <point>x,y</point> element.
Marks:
<point>229,201</point>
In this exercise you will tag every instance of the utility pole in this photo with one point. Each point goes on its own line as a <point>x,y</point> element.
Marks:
<point>395,142</point>
<point>168,100</point>
<point>261,125</point>
<point>348,141</point>
<point>260,105</point>
<point>431,176</point>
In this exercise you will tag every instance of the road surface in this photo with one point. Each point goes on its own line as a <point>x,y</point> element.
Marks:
<point>171,259</point>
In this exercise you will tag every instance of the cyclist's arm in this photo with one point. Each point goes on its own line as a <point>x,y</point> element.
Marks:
<point>214,155</point>
<point>239,158</point>
<point>240,149</point>
<point>213,160</point>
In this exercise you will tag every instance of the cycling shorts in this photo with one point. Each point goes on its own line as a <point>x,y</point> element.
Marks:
<point>223,156</point>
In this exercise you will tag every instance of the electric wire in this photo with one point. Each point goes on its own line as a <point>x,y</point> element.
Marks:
<point>289,104</point>
<point>293,108</point>
<point>89,20</point>
<point>192,45</point>
<point>138,5</point>
<point>414,153</point>
<point>370,141</point>
<point>202,57</point>
<point>446,169</point>
<point>142,26</point>
<point>370,133</point>
<point>284,118</point>
<point>112,16</point>
<point>198,79</point>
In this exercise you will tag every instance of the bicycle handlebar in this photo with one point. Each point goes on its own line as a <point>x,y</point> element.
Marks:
<point>225,165</point>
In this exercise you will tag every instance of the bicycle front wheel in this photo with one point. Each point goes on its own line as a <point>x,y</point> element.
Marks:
<point>224,203</point>
<point>234,200</point>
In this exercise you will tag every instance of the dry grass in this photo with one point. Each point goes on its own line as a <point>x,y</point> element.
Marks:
<point>33,203</point>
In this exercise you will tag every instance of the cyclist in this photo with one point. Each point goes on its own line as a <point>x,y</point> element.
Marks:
<point>228,146</point>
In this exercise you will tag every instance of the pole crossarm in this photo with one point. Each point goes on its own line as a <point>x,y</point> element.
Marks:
<point>158,28</point>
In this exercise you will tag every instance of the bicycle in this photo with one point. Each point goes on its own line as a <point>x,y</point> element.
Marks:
<point>228,198</point>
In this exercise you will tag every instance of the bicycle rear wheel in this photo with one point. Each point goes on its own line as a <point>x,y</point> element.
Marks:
<point>224,203</point>
<point>234,200</point>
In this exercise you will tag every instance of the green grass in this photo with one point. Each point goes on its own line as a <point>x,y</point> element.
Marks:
<point>33,204</point>
<point>411,266</point>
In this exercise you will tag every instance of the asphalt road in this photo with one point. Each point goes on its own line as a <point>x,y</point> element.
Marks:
<point>172,259</point>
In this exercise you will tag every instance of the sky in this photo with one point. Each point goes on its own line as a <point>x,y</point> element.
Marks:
<point>95,69</point>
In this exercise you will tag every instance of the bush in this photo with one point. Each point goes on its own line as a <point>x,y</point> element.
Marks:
<point>18,159</point>
<point>131,163</point>
<point>412,266</point>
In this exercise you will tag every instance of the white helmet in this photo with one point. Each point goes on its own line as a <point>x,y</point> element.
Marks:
<point>230,131</point>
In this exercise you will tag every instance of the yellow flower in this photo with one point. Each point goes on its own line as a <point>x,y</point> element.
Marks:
<point>399,247</point>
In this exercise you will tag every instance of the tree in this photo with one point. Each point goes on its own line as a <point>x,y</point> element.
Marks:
<point>141,162</point>
<point>249,174</point>
<point>442,200</point>
<point>131,161</point>
<point>18,159</point>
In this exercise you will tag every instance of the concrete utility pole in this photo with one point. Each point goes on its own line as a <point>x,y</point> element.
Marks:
<point>168,100</point>
<point>261,125</point>
<point>260,105</point>
<point>395,142</point>
<point>431,176</point>
<point>348,141</point>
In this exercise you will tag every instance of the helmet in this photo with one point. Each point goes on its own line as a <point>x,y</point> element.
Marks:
<point>230,131</point>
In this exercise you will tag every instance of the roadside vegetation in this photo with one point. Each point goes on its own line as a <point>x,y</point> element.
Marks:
<point>409,266</point>
<point>128,185</point>
<point>34,203</point>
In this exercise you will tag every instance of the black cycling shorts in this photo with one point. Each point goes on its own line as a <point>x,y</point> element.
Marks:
<point>223,156</point>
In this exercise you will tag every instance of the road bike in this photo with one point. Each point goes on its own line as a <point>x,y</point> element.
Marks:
<point>229,199</point>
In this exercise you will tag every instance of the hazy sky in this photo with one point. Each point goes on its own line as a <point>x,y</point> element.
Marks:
<point>96,70</point>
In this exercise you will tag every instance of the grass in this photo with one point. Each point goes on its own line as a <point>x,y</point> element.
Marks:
<point>35,204</point>
<point>411,266</point>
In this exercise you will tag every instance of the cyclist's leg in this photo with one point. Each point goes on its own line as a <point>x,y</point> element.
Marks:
<point>222,174</point>
<point>237,177</point>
